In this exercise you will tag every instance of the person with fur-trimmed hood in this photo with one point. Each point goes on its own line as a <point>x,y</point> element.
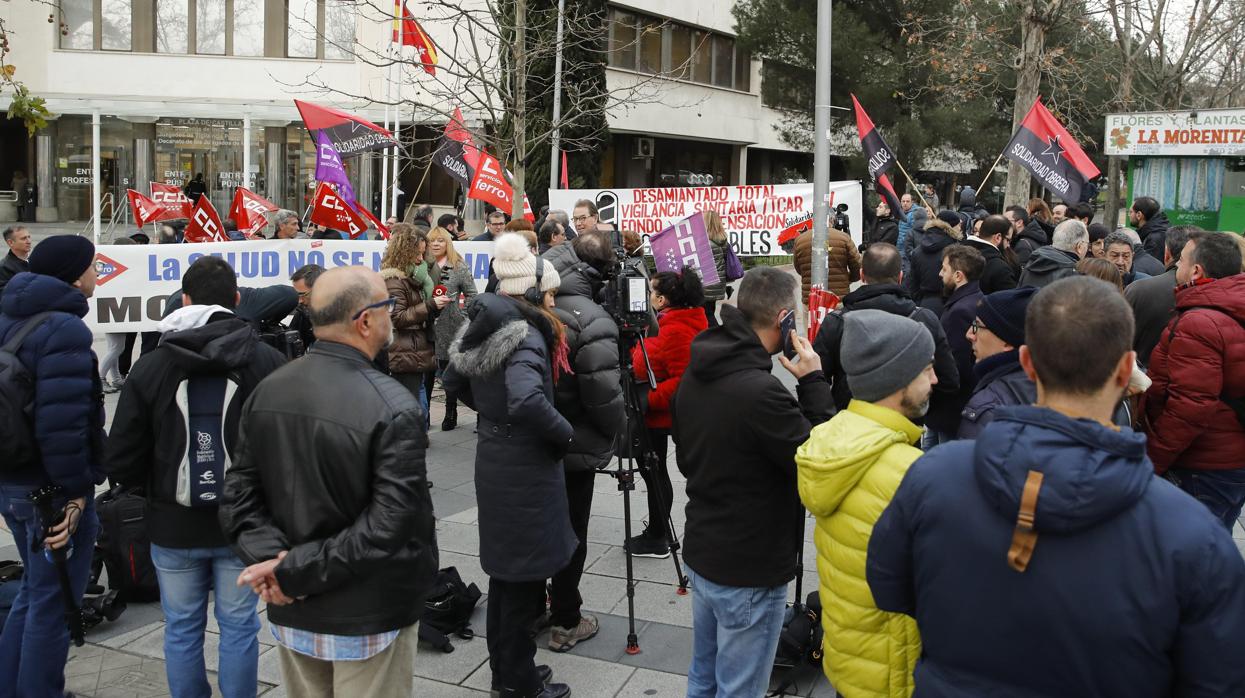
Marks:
<point>923,282</point>
<point>504,364</point>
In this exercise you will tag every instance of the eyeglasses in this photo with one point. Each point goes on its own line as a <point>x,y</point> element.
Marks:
<point>387,303</point>
<point>977,326</point>
<point>581,219</point>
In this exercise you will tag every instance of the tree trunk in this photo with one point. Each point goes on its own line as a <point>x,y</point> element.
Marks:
<point>520,108</point>
<point>1028,82</point>
<point>1111,215</point>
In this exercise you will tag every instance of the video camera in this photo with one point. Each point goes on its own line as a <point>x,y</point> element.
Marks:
<point>841,221</point>
<point>626,291</point>
<point>283,339</point>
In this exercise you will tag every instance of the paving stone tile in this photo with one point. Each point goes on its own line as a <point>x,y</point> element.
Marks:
<point>588,678</point>
<point>466,516</point>
<point>455,666</point>
<point>136,616</point>
<point>664,648</point>
<point>659,602</point>
<point>446,502</point>
<point>458,538</point>
<point>646,683</point>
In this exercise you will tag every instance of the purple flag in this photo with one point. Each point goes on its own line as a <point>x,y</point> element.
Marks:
<point>329,168</point>
<point>685,244</point>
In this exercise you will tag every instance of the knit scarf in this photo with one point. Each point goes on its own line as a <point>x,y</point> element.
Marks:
<point>422,278</point>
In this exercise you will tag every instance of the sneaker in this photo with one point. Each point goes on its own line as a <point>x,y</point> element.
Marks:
<point>648,545</point>
<point>542,670</point>
<point>110,388</point>
<point>553,690</point>
<point>563,639</point>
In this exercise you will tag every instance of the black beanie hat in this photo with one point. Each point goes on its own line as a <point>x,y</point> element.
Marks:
<point>65,257</point>
<point>1003,313</point>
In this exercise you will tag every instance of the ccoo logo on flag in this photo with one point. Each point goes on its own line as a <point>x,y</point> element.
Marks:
<point>107,269</point>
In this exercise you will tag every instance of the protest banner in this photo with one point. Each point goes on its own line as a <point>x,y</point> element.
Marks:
<point>753,214</point>
<point>685,244</point>
<point>135,281</point>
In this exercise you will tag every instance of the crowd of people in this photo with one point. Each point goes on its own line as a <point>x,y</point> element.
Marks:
<point>1017,437</point>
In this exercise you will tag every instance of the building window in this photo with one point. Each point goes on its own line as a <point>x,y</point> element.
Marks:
<point>300,36</point>
<point>78,16</point>
<point>248,28</point>
<point>652,45</point>
<point>117,32</point>
<point>210,27</point>
<point>338,29</point>
<point>172,26</point>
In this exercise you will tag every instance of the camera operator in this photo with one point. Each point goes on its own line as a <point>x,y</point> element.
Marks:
<point>679,302</point>
<point>212,359</point>
<point>302,280</point>
<point>591,399</point>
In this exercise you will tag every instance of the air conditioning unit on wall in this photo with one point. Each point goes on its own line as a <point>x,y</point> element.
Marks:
<point>644,148</point>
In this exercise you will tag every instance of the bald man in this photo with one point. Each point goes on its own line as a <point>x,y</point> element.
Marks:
<point>328,504</point>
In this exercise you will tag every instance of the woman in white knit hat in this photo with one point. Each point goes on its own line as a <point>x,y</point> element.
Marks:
<point>503,364</point>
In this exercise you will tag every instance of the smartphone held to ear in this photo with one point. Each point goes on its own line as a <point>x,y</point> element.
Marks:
<point>785,328</point>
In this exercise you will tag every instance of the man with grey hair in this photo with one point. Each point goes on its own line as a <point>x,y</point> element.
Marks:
<point>1118,249</point>
<point>286,222</point>
<point>1058,260</point>
<point>1143,261</point>
<point>562,217</point>
<point>360,567</point>
<point>736,430</point>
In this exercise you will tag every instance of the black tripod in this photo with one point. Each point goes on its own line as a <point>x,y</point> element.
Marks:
<point>636,441</point>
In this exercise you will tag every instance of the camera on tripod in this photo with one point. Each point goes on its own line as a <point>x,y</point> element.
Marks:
<point>626,294</point>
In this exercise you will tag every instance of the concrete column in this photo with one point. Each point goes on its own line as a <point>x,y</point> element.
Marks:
<point>45,177</point>
<point>274,164</point>
<point>363,193</point>
<point>246,152</point>
<point>144,157</point>
<point>739,164</point>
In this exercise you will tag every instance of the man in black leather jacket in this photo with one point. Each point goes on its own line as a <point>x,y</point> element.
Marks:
<point>327,501</point>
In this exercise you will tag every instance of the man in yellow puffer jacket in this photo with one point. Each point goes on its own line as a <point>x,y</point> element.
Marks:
<point>849,469</point>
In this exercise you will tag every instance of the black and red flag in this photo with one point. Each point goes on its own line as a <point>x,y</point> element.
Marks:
<point>457,153</point>
<point>1045,148</point>
<point>879,156</point>
<point>347,133</point>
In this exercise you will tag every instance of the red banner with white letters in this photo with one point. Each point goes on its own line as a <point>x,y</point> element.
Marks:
<point>205,225</point>
<point>820,303</point>
<point>172,198</point>
<point>331,211</point>
<point>248,209</point>
<point>490,186</point>
<point>147,211</point>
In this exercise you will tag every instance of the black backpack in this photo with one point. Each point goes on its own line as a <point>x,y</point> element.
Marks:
<point>124,544</point>
<point>447,610</point>
<point>18,449</point>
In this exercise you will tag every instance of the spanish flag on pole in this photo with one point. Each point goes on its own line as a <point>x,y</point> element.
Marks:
<point>407,32</point>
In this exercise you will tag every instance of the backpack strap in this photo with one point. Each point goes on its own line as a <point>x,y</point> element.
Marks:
<point>31,325</point>
<point>1024,538</point>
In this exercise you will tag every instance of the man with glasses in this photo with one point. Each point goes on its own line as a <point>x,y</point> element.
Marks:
<point>332,435</point>
<point>996,334</point>
<point>302,281</point>
<point>496,225</point>
<point>585,216</point>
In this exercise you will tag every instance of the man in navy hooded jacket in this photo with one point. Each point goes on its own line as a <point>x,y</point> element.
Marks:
<point>1046,558</point>
<point>68,429</point>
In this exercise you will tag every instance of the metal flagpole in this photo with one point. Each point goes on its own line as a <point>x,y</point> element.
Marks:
<point>397,109</point>
<point>96,184</point>
<point>821,151</point>
<point>384,154</point>
<point>555,141</point>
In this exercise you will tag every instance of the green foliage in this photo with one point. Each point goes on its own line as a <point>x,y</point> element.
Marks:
<point>30,110</point>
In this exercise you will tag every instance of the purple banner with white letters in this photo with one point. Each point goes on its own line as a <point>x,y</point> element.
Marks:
<point>685,244</point>
<point>329,167</point>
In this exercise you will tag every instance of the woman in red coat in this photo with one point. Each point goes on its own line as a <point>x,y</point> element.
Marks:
<point>678,300</point>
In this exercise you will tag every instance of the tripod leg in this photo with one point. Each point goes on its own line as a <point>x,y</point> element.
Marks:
<point>626,483</point>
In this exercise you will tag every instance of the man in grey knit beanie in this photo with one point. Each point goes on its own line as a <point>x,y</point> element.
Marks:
<point>884,354</point>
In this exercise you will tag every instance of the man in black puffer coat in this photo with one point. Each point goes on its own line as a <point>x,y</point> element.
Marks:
<point>591,400</point>
<point>881,274</point>
<point>1151,223</point>
<point>923,282</point>
<point>1029,235</point>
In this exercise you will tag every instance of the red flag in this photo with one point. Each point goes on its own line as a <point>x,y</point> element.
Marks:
<point>1045,148</point>
<point>367,215</point>
<point>820,303</point>
<point>147,211</point>
<point>566,177</point>
<point>490,186</point>
<point>407,32</point>
<point>332,211</point>
<point>205,225</point>
<point>171,197</point>
<point>247,205</point>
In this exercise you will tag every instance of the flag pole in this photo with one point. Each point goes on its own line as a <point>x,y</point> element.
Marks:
<point>989,174</point>
<point>914,186</point>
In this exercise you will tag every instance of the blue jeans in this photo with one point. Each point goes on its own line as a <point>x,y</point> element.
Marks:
<point>734,637</point>
<point>186,576</point>
<point>1222,491</point>
<point>35,643</point>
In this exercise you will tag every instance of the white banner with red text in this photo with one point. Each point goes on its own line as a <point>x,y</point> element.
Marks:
<point>135,281</point>
<point>753,214</point>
